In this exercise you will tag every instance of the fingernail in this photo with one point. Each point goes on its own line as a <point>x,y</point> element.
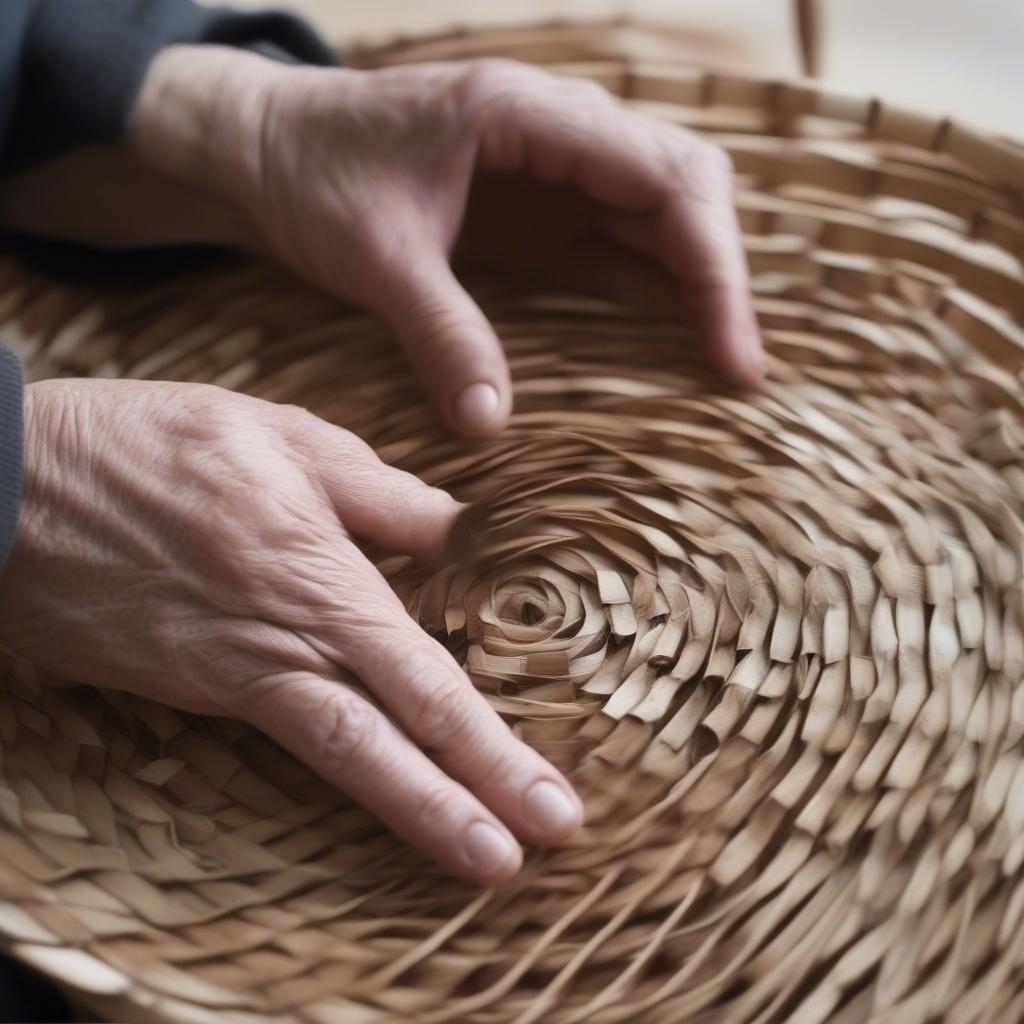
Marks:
<point>485,849</point>
<point>550,811</point>
<point>475,407</point>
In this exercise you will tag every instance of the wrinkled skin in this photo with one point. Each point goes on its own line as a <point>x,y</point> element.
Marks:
<point>518,169</point>
<point>210,539</point>
<point>370,182</point>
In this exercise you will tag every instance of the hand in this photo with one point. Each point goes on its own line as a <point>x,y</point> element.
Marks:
<point>195,546</point>
<point>368,182</point>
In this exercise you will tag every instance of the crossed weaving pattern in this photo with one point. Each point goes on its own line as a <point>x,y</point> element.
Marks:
<point>776,639</point>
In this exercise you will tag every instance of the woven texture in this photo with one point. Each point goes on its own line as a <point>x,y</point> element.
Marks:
<point>777,640</point>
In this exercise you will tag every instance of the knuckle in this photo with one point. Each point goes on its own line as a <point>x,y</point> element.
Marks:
<point>706,165</point>
<point>246,657</point>
<point>440,334</point>
<point>243,519</point>
<point>588,91</point>
<point>294,419</point>
<point>499,94</point>
<point>696,169</point>
<point>213,421</point>
<point>392,503</point>
<point>344,732</point>
<point>438,806</point>
<point>488,77</point>
<point>716,159</point>
<point>441,714</point>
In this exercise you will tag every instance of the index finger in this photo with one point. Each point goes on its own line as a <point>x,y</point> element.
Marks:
<point>700,244</point>
<point>438,707</point>
<point>678,185</point>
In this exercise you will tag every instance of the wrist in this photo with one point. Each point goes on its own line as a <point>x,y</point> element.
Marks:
<point>199,119</point>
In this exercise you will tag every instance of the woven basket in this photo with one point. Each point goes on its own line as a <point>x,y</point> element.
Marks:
<point>776,640</point>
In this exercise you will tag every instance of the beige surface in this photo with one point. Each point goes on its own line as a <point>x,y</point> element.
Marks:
<point>963,58</point>
<point>943,56</point>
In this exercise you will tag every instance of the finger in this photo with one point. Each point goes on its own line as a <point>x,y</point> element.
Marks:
<point>352,745</point>
<point>728,328</point>
<point>433,701</point>
<point>450,344</point>
<point>375,501</point>
<point>703,248</point>
<point>558,129</point>
<point>637,164</point>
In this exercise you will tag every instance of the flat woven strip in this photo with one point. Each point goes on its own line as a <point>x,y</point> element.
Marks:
<point>777,639</point>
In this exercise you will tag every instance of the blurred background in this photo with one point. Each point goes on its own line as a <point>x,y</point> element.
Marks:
<point>964,58</point>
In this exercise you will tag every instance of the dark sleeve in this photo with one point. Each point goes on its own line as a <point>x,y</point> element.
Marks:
<point>69,73</point>
<point>70,69</point>
<point>10,449</point>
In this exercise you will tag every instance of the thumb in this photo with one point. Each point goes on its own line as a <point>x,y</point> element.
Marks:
<point>451,345</point>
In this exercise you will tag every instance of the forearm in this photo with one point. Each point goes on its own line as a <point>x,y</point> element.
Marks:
<point>67,167</point>
<point>105,198</point>
<point>199,119</point>
<point>182,173</point>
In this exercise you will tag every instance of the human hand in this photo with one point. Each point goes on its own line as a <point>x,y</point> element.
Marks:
<point>195,546</point>
<point>367,182</point>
